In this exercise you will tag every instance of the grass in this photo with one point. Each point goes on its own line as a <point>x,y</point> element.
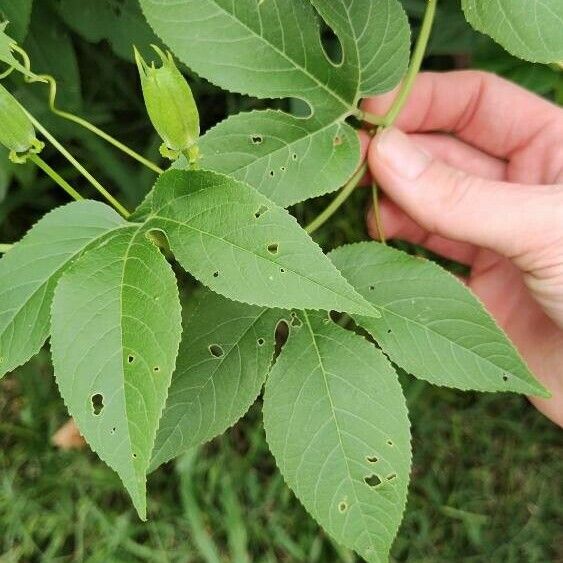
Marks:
<point>486,487</point>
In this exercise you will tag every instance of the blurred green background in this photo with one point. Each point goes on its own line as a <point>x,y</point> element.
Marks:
<point>487,475</point>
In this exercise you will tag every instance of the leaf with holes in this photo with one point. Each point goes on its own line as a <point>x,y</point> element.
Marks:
<point>431,324</point>
<point>223,361</point>
<point>30,271</point>
<point>529,29</point>
<point>245,247</point>
<point>115,333</point>
<point>336,422</point>
<point>273,49</point>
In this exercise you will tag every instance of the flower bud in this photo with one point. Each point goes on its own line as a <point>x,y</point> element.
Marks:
<point>16,130</point>
<point>170,105</point>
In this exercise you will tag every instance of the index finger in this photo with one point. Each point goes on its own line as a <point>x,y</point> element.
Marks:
<point>480,108</point>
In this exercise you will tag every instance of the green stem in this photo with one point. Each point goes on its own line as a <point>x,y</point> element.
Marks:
<point>414,67</point>
<point>50,80</point>
<point>370,118</point>
<point>377,212</point>
<point>386,121</point>
<point>108,197</point>
<point>5,247</point>
<point>100,133</point>
<point>36,159</point>
<point>335,204</point>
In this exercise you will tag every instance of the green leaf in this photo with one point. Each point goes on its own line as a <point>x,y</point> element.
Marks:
<point>116,326</point>
<point>378,31</point>
<point>223,362</point>
<point>529,29</point>
<point>120,22</point>
<point>272,49</point>
<point>18,13</point>
<point>30,270</point>
<point>337,424</point>
<point>245,247</point>
<point>431,324</point>
<point>286,158</point>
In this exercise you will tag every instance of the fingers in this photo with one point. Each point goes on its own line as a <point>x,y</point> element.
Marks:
<point>456,153</point>
<point>480,108</point>
<point>507,218</point>
<point>460,155</point>
<point>396,224</point>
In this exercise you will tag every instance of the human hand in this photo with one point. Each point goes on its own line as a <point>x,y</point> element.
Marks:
<point>478,178</point>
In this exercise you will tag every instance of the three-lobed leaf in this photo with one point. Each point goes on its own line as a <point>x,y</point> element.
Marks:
<point>431,324</point>
<point>243,246</point>
<point>31,269</point>
<point>273,49</point>
<point>529,29</point>
<point>224,358</point>
<point>116,326</point>
<point>336,422</point>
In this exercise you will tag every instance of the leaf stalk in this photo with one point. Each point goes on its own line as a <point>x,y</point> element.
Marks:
<point>105,194</point>
<point>55,176</point>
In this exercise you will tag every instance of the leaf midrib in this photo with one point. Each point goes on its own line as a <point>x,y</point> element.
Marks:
<point>334,417</point>
<point>426,328</point>
<point>336,122</point>
<point>212,375</point>
<point>337,97</point>
<point>211,235</point>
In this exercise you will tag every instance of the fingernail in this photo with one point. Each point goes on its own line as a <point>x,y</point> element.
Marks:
<point>401,154</point>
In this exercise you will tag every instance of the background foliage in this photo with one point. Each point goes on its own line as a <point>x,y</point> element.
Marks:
<point>486,475</point>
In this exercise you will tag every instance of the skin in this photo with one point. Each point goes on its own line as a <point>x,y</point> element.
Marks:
<point>477,176</point>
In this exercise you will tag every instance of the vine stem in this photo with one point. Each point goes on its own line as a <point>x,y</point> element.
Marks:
<point>5,247</point>
<point>383,122</point>
<point>335,204</point>
<point>55,176</point>
<point>377,213</point>
<point>108,138</point>
<point>414,67</point>
<point>370,118</point>
<point>52,83</point>
<point>108,197</point>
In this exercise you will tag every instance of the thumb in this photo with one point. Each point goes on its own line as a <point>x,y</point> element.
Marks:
<point>507,218</point>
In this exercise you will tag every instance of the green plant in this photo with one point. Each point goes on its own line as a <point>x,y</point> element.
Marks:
<point>103,289</point>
